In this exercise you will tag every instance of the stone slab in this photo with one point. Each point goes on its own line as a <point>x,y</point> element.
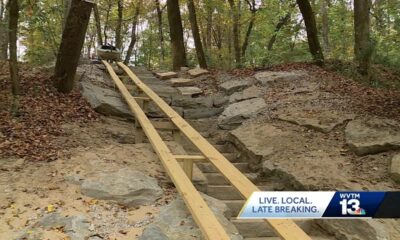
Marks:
<point>373,135</point>
<point>197,72</point>
<point>166,75</point>
<point>267,77</point>
<point>190,91</point>
<point>181,82</point>
<point>248,93</point>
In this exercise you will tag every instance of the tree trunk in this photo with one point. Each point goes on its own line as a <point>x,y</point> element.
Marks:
<point>118,37</point>
<point>176,34</point>
<point>196,35</point>
<point>253,10</point>
<point>282,22</point>
<point>236,33</point>
<point>71,45</point>
<point>106,21</point>
<point>160,31</point>
<point>133,34</point>
<point>209,26</point>
<point>98,25</point>
<point>13,32</point>
<point>67,7</point>
<point>325,25</point>
<point>312,32</point>
<point>362,45</point>
<point>3,31</point>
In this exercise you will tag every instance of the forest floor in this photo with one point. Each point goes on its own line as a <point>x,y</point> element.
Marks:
<point>56,138</point>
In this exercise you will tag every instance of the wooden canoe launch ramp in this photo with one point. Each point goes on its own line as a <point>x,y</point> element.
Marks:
<point>180,167</point>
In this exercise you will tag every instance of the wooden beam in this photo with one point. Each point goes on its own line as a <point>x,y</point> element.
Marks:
<point>202,214</point>
<point>196,158</point>
<point>286,229</point>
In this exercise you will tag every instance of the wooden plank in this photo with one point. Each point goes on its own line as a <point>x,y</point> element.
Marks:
<point>200,211</point>
<point>286,229</point>
<point>196,158</point>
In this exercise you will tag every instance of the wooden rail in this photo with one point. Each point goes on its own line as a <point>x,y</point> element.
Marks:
<point>286,229</point>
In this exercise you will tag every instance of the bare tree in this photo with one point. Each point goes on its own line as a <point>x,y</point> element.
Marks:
<point>312,32</point>
<point>72,41</point>
<point>325,25</point>
<point>362,46</point>
<point>196,35</point>
<point>176,34</point>
<point>133,32</point>
<point>253,9</point>
<point>109,6</point>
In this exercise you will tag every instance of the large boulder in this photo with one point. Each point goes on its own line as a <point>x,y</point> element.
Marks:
<point>395,168</point>
<point>229,87</point>
<point>127,187</point>
<point>105,100</point>
<point>267,77</point>
<point>236,113</point>
<point>373,135</point>
<point>248,93</point>
<point>176,222</point>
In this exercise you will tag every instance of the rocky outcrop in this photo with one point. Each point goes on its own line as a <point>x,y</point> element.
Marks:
<point>395,168</point>
<point>236,113</point>
<point>319,121</point>
<point>372,135</point>
<point>127,187</point>
<point>105,101</point>
<point>176,222</point>
<point>265,78</point>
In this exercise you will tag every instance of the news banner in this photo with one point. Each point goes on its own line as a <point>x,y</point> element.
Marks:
<point>345,205</point>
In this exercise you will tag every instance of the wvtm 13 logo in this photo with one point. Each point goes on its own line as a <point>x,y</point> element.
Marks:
<point>351,204</point>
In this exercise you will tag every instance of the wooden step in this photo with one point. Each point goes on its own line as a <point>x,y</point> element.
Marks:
<point>253,228</point>
<point>228,192</point>
<point>219,179</point>
<point>209,168</point>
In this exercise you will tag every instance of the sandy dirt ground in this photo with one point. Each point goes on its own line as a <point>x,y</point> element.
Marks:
<point>31,190</point>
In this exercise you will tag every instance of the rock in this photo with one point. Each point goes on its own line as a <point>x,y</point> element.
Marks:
<point>201,112</point>
<point>105,101</point>
<point>324,121</point>
<point>127,187</point>
<point>248,93</point>
<point>373,135</point>
<point>236,113</point>
<point>190,91</point>
<point>189,102</point>
<point>395,168</point>
<point>220,100</point>
<point>181,82</point>
<point>76,227</point>
<point>197,72</point>
<point>166,75</point>
<point>232,86</point>
<point>184,69</point>
<point>175,222</point>
<point>264,78</point>
<point>356,229</point>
